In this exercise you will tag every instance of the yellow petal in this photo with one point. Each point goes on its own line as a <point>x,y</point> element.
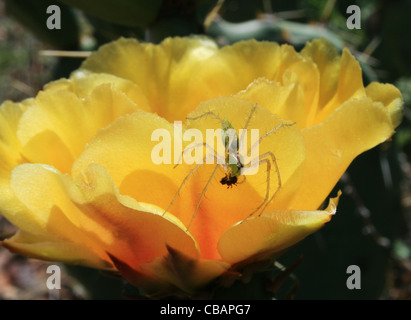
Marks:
<point>358,125</point>
<point>268,60</point>
<point>83,82</point>
<point>350,86</point>
<point>255,59</point>
<point>10,115</point>
<point>131,223</point>
<point>263,59</point>
<point>173,272</point>
<point>42,191</point>
<point>328,61</point>
<point>92,212</point>
<point>125,148</point>
<point>10,153</point>
<point>167,79</point>
<point>272,232</point>
<point>390,97</point>
<point>307,73</point>
<point>57,125</point>
<point>163,72</point>
<point>285,101</point>
<point>185,272</point>
<point>47,247</point>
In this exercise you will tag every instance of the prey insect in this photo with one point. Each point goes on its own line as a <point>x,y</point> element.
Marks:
<point>232,163</point>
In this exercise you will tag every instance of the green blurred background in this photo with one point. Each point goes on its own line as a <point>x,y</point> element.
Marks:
<point>372,227</point>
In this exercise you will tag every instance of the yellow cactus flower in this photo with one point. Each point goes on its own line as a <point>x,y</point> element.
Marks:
<point>78,179</point>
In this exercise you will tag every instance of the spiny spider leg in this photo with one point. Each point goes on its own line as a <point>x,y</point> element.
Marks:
<point>247,122</point>
<point>266,159</point>
<point>222,122</point>
<point>267,134</point>
<point>202,195</point>
<point>206,114</point>
<point>185,180</point>
<point>261,157</point>
<point>274,160</point>
<point>220,160</point>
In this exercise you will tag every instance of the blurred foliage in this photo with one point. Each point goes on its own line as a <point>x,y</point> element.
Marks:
<point>131,13</point>
<point>33,15</point>
<point>371,238</point>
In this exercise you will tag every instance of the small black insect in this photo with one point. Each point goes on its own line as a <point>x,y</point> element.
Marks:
<point>229,180</point>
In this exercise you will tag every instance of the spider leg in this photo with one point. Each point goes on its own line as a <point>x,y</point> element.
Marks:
<point>266,159</point>
<point>206,114</point>
<point>219,158</point>
<point>248,122</point>
<point>279,184</point>
<point>184,181</point>
<point>282,125</point>
<point>244,179</point>
<point>202,195</point>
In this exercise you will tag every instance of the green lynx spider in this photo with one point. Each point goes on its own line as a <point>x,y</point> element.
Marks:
<point>232,163</point>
